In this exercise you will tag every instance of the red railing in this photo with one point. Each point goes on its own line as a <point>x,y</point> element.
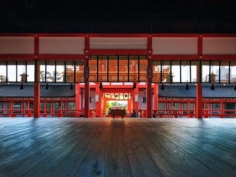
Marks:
<point>219,113</point>
<point>191,113</point>
<point>173,113</point>
<point>15,112</point>
<point>43,113</point>
<point>80,113</point>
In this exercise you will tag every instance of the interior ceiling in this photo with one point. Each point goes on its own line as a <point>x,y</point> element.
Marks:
<point>121,16</point>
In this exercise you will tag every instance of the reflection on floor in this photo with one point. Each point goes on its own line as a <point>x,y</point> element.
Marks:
<point>117,147</point>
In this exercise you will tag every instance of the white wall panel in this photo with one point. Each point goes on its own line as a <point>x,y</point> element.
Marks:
<point>219,45</point>
<point>118,43</point>
<point>16,45</point>
<point>61,45</point>
<point>140,100</point>
<point>92,104</point>
<point>175,45</point>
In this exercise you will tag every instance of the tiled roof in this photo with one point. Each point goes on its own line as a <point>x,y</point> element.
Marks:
<point>179,91</point>
<point>54,91</point>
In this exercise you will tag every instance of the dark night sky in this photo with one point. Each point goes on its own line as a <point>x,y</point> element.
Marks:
<point>137,16</point>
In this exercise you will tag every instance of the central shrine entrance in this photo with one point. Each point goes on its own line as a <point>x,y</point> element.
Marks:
<point>112,100</point>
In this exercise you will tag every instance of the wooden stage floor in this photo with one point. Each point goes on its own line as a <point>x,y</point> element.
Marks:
<point>117,147</point>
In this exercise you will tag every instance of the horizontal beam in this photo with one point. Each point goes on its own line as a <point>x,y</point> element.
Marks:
<point>87,52</point>
<point>117,90</point>
<point>42,57</point>
<point>116,35</point>
<point>175,57</point>
<point>116,52</point>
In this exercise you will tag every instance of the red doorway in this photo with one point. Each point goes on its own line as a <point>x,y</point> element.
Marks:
<point>111,99</point>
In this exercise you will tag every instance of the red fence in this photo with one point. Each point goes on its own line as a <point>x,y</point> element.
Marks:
<point>43,113</point>
<point>219,113</point>
<point>173,113</point>
<point>80,113</point>
<point>191,113</point>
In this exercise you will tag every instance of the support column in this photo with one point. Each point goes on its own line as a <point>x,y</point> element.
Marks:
<point>36,100</point>
<point>86,99</point>
<point>98,100</point>
<point>149,82</point>
<point>101,102</point>
<point>36,79</point>
<point>156,97</point>
<point>86,79</point>
<point>199,100</point>
<point>198,103</point>
<point>135,98</point>
<point>104,104</point>
<point>129,106</point>
<point>77,99</point>
<point>82,101</point>
<point>149,100</point>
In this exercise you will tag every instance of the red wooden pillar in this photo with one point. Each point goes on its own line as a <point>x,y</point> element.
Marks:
<point>135,98</point>
<point>129,106</point>
<point>36,100</point>
<point>82,100</point>
<point>156,97</point>
<point>149,100</point>
<point>198,103</point>
<point>149,82</point>
<point>98,100</point>
<point>101,102</point>
<point>105,103</point>
<point>77,99</point>
<point>86,99</point>
<point>86,79</point>
<point>37,79</point>
<point>199,100</point>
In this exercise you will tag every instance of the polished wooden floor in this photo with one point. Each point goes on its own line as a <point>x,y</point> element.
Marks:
<point>117,147</point>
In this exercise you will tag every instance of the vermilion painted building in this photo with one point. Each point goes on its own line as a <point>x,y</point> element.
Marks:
<point>76,74</point>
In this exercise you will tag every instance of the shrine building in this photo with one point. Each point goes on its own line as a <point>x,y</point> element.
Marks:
<point>76,75</point>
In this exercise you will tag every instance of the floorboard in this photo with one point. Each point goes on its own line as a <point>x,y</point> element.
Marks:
<point>59,147</point>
